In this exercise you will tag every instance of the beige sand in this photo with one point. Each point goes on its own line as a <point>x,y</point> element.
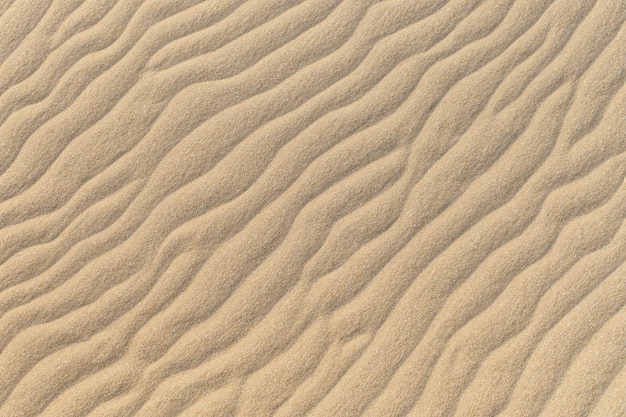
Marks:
<point>312,208</point>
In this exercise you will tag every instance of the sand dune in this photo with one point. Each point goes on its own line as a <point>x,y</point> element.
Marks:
<point>312,208</point>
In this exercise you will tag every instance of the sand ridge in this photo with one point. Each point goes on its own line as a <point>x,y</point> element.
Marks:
<point>312,208</point>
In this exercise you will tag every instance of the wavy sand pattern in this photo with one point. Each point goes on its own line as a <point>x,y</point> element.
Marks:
<point>312,208</point>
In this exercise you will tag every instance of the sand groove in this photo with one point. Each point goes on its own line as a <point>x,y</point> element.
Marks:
<point>312,207</point>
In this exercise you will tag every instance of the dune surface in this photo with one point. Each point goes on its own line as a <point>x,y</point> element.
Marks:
<point>319,208</point>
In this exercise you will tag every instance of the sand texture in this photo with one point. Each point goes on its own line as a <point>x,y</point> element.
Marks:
<point>324,208</point>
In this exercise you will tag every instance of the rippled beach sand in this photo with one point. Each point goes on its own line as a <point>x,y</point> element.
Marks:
<point>317,208</point>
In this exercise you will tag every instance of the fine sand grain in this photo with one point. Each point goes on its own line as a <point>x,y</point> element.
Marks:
<point>319,208</point>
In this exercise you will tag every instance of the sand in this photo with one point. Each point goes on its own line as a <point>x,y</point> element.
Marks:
<point>317,208</point>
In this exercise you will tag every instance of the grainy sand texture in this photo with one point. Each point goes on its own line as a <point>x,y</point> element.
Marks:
<point>325,208</point>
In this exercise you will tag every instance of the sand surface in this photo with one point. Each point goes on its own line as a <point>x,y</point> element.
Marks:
<point>319,208</point>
